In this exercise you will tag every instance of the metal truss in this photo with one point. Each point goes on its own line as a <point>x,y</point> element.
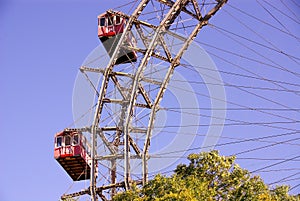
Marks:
<point>140,93</point>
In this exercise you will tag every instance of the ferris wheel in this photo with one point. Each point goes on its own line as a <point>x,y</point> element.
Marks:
<point>120,93</point>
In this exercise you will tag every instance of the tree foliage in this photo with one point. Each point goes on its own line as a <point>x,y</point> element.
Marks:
<point>208,177</point>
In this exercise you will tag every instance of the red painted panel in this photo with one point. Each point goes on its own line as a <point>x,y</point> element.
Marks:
<point>76,150</point>
<point>73,155</point>
<point>110,30</point>
<point>56,153</point>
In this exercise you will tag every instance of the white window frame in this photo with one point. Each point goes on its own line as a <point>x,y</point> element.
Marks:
<point>110,19</point>
<point>65,137</point>
<point>115,20</point>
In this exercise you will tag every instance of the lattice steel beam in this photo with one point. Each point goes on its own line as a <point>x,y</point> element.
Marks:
<point>133,96</point>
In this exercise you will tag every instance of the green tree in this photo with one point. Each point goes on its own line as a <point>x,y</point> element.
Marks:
<point>208,176</point>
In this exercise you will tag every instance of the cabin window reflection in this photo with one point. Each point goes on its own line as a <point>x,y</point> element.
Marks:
<point>110,21</point>
<point>67,140</point>
<point>102,22</point>
<point>118,20</point>
<point>75,140</point>
<point>58,141</point>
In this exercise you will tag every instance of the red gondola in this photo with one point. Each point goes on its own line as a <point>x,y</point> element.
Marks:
<point>72,151</point>
<point>110,29</point>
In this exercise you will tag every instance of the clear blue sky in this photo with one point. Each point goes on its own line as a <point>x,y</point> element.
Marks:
<point>43,43</point>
